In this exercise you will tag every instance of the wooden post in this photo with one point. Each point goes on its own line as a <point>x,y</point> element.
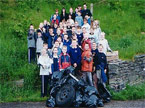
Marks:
<point>91,9</point>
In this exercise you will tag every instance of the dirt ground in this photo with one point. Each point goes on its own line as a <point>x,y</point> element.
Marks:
<point>112,104</point>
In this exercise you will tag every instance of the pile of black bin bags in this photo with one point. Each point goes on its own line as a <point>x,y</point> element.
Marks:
<point>67,91</point>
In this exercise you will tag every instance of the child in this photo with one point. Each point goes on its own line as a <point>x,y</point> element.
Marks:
<point>94,49</point>
<point>59,39</point>
<point>71,13</point>
<point>86,25</point>
<point>45,71</point>
<point>87,64</point>
<point>70,19</point>
<point>49,52</point>
<point>50,40</point>
<point>88,19</point>
<point>64,59</point>
<point>105,44</point>
<point>79,35</point>
<point>100,63</point>
<point>93,37</point>
<point>55,20</point>
<point>31,44</point>
<point>55,65</point>
<point>86,40</point>
<point>67,42</point>
<point>56,45</point>
<point>79,19</point>
<point>75,55</point>
<point>39,44</point>
<point>97,29</point>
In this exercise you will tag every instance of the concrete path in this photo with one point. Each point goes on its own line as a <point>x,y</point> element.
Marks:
<point>112,104</point>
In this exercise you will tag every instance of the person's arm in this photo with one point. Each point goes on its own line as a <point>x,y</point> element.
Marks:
<point>90,14</point>
<point>41,62</point>
<point>79,56</point>
<point>105,61</point>
<point>60,66</point>
<point>108,47</point>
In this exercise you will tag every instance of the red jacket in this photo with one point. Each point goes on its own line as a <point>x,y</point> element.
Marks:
<point>87,61</point>
<point>64,61</point>
<point>55,21</point>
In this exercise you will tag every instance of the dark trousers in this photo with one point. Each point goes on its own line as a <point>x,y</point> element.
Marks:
<point>37,56</point>
<point>44,85</point>
<point>77,70</point>
<point>31,54</point>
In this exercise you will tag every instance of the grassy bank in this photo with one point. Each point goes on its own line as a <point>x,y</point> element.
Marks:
<point>122,21</point>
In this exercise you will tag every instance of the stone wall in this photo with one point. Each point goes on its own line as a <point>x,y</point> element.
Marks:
<point>126,72</point>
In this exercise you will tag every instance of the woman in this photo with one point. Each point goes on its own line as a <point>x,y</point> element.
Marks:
<point>63,15</point>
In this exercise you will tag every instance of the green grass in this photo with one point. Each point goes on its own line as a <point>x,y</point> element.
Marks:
<point>130,93</point>
<point>122,21</point>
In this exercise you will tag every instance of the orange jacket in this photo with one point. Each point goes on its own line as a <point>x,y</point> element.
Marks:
<point>87,65</point>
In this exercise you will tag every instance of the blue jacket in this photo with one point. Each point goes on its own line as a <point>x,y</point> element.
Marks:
<point>67,44</point>
<point>49,40</point>
<point>75,55</point>
<point>55,65</point>
<point>79,19</point>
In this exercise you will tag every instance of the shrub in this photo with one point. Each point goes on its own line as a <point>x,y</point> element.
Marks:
<point>125,42</point>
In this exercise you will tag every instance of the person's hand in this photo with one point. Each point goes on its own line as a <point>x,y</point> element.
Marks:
<point>50,72</point>
<point>75,65</point>
<point>94,68</point>
<point>44,66</point>
<point>105,71</point>
<point>44,30</point>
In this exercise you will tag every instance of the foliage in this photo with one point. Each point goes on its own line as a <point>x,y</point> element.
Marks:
<point>130,93</point>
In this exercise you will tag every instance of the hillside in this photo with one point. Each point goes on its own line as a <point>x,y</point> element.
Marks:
<point>122,21</point>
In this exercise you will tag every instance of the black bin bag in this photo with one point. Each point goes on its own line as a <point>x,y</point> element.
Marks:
<point>50,102</point>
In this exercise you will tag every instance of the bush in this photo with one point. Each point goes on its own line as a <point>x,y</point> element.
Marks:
<point>125,42</point>
<point>130,93</point>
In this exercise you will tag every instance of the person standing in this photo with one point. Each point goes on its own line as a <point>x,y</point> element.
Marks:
<point>31,38</point>
<point>45,71</point>
<point>87,65</point>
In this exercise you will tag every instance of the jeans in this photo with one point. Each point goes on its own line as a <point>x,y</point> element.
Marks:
<point>87,76</point>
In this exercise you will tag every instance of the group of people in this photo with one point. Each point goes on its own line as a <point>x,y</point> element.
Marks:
<point>70,39</point>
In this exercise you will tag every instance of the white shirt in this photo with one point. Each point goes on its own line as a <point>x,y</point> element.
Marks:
<point>87,26</point>
<point>46,62</point>
<point>105,44</point>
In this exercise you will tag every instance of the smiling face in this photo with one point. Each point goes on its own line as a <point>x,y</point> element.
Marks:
<point>64,49</point>
<point>102,35</point>
<point>51,31</point>
<point>65,37</point>
<point>100,48</point>
<point>94,46</point>
<point>85,6</point>
<point>31,27</point>
<point>86,46</point>
<point>55,50</point>
<point>39,34</point>
<point>74,43</point>
<point>71,10</point>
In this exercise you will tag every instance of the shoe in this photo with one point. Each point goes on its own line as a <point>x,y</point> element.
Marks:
<point>100,103</point>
